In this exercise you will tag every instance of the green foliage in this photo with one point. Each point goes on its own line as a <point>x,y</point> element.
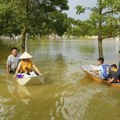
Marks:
<point>7,20</point>
<point>37,15</point>
<point>80,9</point>
<point>103,20</point>
<point>80,28</point>
<point>59,22</point>
<point>105,16</point>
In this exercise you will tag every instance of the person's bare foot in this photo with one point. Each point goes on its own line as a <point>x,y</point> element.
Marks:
<point>118,81</point>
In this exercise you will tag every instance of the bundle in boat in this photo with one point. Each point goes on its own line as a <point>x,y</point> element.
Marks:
<point>31,78</point>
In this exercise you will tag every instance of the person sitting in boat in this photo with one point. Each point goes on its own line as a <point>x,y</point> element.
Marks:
<point>102,69</point>
<point>26,65</point>
<point>112,73</point>
<point>118,79</point>
<point>118,76</point>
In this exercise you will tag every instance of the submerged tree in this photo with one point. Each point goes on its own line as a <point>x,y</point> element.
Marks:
<point>31,16</point>
<point>105,18</point>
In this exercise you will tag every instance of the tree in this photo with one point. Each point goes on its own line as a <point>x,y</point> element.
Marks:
<point>30,16</point>
<point>80,28</point>
<point>7,19</point>
<point>105,17</point>
<point>58,23</point>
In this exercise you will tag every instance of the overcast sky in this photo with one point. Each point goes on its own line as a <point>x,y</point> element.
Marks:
<point>74,3</point>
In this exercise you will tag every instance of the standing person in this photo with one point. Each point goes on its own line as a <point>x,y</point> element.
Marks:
<point>12,61</point>
<point>119,61</point>
<point>26,65</point>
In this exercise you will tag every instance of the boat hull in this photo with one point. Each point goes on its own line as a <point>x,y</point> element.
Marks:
<point>95,78</point>
<point>30,81</point>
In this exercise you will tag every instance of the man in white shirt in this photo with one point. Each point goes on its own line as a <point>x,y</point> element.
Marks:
<point>12,61</point>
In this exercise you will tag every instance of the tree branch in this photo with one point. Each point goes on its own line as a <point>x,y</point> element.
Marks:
<point>110,36</point>
<point>112,11</point>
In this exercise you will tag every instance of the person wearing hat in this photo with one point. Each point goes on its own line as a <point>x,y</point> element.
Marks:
<point>26,65</point>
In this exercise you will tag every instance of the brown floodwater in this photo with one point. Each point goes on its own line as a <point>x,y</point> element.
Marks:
<point>67,94</point>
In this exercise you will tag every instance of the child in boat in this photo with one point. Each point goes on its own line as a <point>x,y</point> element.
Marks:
<point>118,79</point>
<point>26,65</point>
<point>112,73</point>
<point>102,70</point>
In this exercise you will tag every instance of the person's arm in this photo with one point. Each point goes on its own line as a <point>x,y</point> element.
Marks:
<point>108,70</point>
<point>17,70</point>
<point>96,71</point>
<point>8,68</point>
<point>111,80</point>
<point>8,65</point>
<point>36,69</point>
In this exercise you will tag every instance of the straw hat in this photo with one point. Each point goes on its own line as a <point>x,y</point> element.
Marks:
<point>25,55</point>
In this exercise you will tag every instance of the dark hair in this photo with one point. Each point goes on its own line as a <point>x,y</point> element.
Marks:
<point>114,65</point>
<point>101,59</point>
<point>119,51</point>
<point>14,48</point>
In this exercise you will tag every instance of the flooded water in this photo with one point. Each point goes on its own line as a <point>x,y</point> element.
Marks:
<point>67,93</point>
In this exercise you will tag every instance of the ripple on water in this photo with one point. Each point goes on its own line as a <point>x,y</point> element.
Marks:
<point>66,95</point>
<point>6,110</point>
<point>74,102</point>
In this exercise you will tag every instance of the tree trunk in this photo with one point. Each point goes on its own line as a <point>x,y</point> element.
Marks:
<point>22,45</point>
<point>24,31</point>
<point>100,48</point>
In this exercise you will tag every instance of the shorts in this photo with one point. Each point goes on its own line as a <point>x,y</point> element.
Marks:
<point>118,77</point>
<point>12,71</point>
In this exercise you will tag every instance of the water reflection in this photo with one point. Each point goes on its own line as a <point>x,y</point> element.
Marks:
<point>67,94</point>
<point>117,46</point>
<point>72,105</point>
<point>18,91</point>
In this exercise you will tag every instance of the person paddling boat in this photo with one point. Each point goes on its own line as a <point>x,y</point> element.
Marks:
<point>26,65</point>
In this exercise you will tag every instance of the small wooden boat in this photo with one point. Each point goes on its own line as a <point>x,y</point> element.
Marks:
<point>88,70</point>
<point>24,79</point>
